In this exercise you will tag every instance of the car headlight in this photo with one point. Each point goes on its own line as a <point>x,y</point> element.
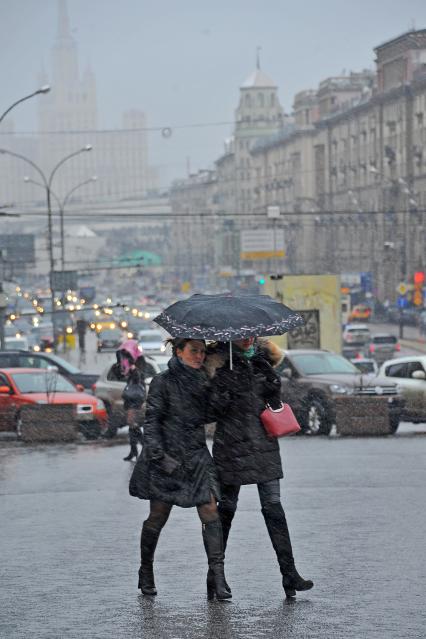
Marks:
<point>340,390</point>
<point>100,405</point>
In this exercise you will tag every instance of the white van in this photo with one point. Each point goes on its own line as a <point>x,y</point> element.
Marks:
<point>16,344</point>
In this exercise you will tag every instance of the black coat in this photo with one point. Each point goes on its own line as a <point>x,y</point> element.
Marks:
<point>242,451</point>
<point>175,465</point>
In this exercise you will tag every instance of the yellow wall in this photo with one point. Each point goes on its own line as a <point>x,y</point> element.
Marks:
<point>312,292</point>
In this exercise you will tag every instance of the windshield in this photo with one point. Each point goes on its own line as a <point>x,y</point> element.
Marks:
<point>323,364</point>
<point>62,362</point>
<point>15,344</point>
<point>41,383</point>
<point>384,339</point>
<point>111,334</point>
<point>152,337</point>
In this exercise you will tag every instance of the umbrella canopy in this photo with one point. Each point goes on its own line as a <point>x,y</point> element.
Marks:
<point>227,317</point>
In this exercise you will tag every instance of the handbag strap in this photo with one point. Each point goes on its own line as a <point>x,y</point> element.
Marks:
<point>276,410</point>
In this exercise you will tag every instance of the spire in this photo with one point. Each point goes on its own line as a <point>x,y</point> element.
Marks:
<point>258,50</point>
<point>64,31</point>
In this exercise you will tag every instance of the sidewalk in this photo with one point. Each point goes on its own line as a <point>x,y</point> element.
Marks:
<point>417,344</point>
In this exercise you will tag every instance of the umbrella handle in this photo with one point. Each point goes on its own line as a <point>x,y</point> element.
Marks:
<point>230,356</point>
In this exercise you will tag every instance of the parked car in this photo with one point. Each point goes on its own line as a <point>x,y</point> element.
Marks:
<point>161,360</point>
<point>109,339</point>
<point>19,386</point>
<point>152,341</point>
<point>365,365</point>
<point>382,346</point>
<point>24,359</point>
<point>313,379</point>
<point>110,392</point>
<point>410,374</point>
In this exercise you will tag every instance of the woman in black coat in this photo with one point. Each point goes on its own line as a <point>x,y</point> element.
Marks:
<point>242,451</point>
<point>130,368</point>
<point>175,467</point>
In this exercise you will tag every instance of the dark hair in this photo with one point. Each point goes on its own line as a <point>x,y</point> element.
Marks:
<point>181,342</point>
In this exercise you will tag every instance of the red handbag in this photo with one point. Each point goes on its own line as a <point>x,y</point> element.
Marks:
<point>280,421</point>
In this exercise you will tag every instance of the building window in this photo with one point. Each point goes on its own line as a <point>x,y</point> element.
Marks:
<point>248,100</point>
<point>261,99</point>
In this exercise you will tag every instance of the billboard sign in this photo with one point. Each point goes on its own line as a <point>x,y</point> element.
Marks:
<point>64,280</point>
<point>17,248</point>
<point>261,244</point>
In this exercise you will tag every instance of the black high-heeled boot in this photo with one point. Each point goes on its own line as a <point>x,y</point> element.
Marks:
<point>213,543</point>
<point>276,524</point>
<point>226,517</point>
<point>149,540</point>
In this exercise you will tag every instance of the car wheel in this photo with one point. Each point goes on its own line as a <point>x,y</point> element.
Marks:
<point>318,421</point>
<point>393,423</point>
<point>91,430</point>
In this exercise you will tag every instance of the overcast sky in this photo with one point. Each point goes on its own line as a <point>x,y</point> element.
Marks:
<point>182,61</point>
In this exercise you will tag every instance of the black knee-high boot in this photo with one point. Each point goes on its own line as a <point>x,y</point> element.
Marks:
<point>276,524</point>
<point>149,539</point>
<point>226,517</point>
<point>213,543</point>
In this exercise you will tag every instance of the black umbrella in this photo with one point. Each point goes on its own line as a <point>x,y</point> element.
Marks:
<point>226,317</point>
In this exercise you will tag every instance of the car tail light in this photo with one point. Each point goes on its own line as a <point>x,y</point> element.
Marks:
<point>398,347</point>
<point>371,348</point>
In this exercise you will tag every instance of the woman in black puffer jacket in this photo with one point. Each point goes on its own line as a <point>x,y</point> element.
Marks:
<point>242,451</point>
<point>175,466</point>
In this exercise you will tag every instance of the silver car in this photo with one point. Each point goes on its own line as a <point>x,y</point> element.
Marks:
<point>110,391</point>
<point>409,373</point>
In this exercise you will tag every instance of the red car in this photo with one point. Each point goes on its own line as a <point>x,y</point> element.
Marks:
<point>19,386</point>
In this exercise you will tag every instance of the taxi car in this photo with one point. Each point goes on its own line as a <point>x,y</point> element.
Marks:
<point>20,386</point>
<point>360,312</point>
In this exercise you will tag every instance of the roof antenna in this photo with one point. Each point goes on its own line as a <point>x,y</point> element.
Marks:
<point>258,50</point>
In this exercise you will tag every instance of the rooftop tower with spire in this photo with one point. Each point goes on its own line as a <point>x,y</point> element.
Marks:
<point>259,114</point>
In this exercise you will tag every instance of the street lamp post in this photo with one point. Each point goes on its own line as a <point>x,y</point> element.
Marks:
<point>61,206</point>
<point>43,89</point>
<point>47,184</point>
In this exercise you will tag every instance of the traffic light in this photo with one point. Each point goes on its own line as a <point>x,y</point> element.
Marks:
<point>419,280</point>
<point>261,280</point>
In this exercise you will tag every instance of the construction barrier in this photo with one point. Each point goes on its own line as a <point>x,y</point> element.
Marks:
<point>48,423</point>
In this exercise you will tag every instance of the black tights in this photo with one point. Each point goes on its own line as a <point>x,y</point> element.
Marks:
<point>159,513</point>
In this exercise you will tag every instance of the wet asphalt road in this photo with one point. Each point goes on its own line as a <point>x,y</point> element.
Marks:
<point>70,537</point>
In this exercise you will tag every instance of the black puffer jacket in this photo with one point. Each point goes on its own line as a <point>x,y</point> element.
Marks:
<point>174,436</point>
<point>242,451</point>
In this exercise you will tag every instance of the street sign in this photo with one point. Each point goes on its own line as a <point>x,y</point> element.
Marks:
<point>402,302</point>
<point>64,280</point>
<point>402,288</point>
<point>262,244</point>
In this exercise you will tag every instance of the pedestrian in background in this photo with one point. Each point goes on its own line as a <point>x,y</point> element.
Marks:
<point>175,467</point>
<point>242,451</point>
<point>130,368</point>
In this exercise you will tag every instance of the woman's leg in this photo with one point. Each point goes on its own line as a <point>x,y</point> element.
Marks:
<point>276,523</point>
<point>135,434</point>
<point>151,529</point>
<point>227,508</point>
<point>213,544</point>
